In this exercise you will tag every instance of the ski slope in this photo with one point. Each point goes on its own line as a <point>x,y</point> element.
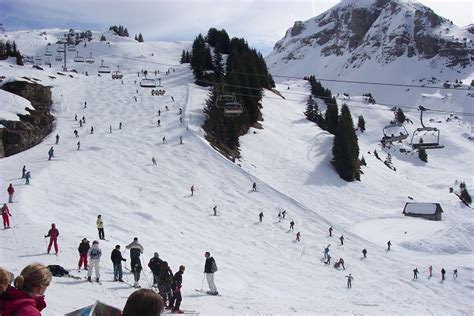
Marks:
<point>262,269</point>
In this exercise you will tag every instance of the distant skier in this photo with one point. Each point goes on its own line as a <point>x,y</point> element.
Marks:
<point>53,234</point>
<point>389,244</point>
<point>164,139</point>
<point>50,153</point>
<point>100,227</point>
<point>166,108</point>
<point>443,272</point>
<point>78,145</point>
<point>254,187</point>
<point>283,214</point>
<point>84,119</point>
<point>158,123</point>
<point>330,231</point>
<point>76,133</point>
<point>210,268</point>
<point>455,273</point>
<point>292,225</point>
<point>180,111</point>
<point>159,112</point>
<point>298,235</point>
<point>94,255</point>
<point>326,251</point>
<point>92,129</point>
<point>23,171</point>
<point>110,129</point>
<point>57,139</point>
<point>83,249</point>
<point>430,270</point>
<point>279,216</point>
<point>192,190</point>
<point>342,239</point>
<point>135,98</point>
<point>116,257</point>
<point>349,280</point>
<point>75,117</point>
<point>5,216</point>
<point>215,210</point>
<point>364,252</point>
<point>328,261</point>
<point>415,274</point>
<point>120,125</point>
<point>80,123</point>
<point>85,103</point>
<point>153,160</point>
<point>27,178</point>
<point>155,264</point>
<point>11,192</point>
<point>341,263</point>
<point>260,216</point>
<point>172,99</point>
<point>180,140</point>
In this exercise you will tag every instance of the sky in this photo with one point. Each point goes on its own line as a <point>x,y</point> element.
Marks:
<point>260,22</point>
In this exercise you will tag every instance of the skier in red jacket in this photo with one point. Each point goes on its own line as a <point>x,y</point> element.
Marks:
<point>10,191</point>
<point>53,234</point>
<point>5,214</point>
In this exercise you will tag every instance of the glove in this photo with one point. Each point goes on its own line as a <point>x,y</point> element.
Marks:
<point>45,236</point>
<point>124,259</point>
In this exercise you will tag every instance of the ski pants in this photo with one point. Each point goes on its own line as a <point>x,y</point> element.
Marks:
<point>51,242</point>
<point>156,278</point>
<point>349,284</point>
<point>176,299</point>
<point>101,233</point>
<point>117,271</point>
<point>83,259</point>
<point>10,198</point>
<point>6,221</point>
<point>210,282</point>
<point>94,264</point>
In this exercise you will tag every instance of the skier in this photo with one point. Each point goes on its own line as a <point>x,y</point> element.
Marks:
<point>210,268</point>
<point>177,284</point>
<point>116,257</point>
<point>364,252</point>
<point>164,139</point>
<point>78,145</point>
<point>349,280</point>
<point>23,171</point>
<point>100,227</point>
<point>153,160</point>
<point>75,117</point>
<point>455,273</point>
<point>159,112</point>
<point>94,255</point>
<point>298,235</point>
<point>254,187</point>
<point>53,234</point>
<point>57,139</point>
<point>166,108</point>
<point>80,123</point>
<point>76,133</point>
<point>84,119</point>
<point>342,239</point>
<point>120,125</point>
<point>135,98</point>
<point>180,120</point>
<point>215,210</point>
<point>389,244</point>
<point>10,191</point>
<point>110,129</point>
<point>83,249</point>
<point>5,215</point>
<point>329,259</point>
<point>192,190</point>
<point>415,274</point>
<point>155,264</point>
<point>326,251</point>
<point>180,140</point>
<point>341,262</point>
<point>85,103</point>
<point>158,122</point>
<point>443,272</point>
<point>92,129</point>
<point>172,99</point>
<point>260,216</point>
<point>180,111</point>
<point>283,214</point>
<point>279,216</point>
<point>50,153</point>
<point>430,269</point>
<point>165,284</point>
<point>136,266</point>
<point>330,231</point>
<point>27,177</point>
<point>292,225</point>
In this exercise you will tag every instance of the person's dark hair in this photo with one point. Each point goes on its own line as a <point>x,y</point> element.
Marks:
<point>143,302</point>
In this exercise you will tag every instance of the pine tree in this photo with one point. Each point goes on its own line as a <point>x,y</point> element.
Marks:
<point>140,38</point>
<point>331,116</point>
<point>136,37</point>
<point>345,148</point>
<point>310,114</point>
<point>183,57</point>
<point>188,57</point>
<point>361,123</point>
<point>422,153</point>
<point>218,66</point>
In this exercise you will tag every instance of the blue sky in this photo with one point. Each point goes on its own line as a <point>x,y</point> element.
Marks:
<point>261,22</point>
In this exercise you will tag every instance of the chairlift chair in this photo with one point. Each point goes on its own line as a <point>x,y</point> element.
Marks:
<point>103,69</point>
<point>158,92</point>
<point>431,134</point>
<point>78,59</point>
<point>117,74</point>
<point>90,59</point>
<point>233,109</point>
<point>58,58</point>
<point>60,49</point>
<point>148,83</point>
<point>394,133</point>
<point>71,48</point>
<point>48,53</point>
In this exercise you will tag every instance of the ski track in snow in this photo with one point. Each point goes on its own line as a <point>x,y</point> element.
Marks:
<point>262,270</point>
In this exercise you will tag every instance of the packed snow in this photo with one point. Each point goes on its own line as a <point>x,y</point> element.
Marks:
<point>263,270</point>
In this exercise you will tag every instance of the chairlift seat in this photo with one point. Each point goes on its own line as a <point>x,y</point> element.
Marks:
<point>104,69</point>
<point>71,48</point>
<point>148,83</point>
<point>48,53</point>
<point>233,108</point>
<point>78,59</point>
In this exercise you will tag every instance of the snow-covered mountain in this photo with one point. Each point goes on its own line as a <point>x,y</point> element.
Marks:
<point>262,269</point>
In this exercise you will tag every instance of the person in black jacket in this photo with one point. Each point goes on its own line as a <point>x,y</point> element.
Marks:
<point>154,265</point>
<point>83,249</point>
<point>117,259</point>
<point>177,284</point>
<point>209,269</point>
<point>165,283</point>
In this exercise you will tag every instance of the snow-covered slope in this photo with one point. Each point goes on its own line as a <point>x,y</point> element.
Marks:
<point>262,270</point>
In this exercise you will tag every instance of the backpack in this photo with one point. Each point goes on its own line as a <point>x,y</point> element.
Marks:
<point>95,253</point>
<point>213,266</point>
<point>57,270</point>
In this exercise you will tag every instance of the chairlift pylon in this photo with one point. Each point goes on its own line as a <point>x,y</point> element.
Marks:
<point>430,142</point>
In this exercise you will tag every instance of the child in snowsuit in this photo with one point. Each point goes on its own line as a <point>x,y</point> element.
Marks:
<point>53,234</point>
<point>94,255</point>
<point>83,249</point>
<point>5,215</point>
<point>10,191</point>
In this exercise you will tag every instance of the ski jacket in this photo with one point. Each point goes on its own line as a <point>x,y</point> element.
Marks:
<point>178,280</point>
<point>100,223</point>
<point>94,252</point>
<point>5,211</point>
<point>53,233</point>
<point>116,256</point>
<point>154,265</point>
<point>11,190</point>
<point>166,278</point>
<point>17,302</point>
<point>135,249</point>
<point>208,265</point>
<point>84,247</point>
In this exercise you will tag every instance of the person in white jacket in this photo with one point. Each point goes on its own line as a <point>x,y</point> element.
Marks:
<point>94,255</point>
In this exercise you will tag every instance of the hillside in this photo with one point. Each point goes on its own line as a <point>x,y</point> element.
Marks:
<point>262,270</point>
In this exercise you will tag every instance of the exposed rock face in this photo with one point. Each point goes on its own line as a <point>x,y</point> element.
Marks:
<point>376,29</point>
<point>18,136</point>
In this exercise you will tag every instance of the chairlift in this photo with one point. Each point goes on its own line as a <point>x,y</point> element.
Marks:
<point>229,103</point>
<point>58,58</point>
<point>38,58</point>
<point>48,53</point>
<point>71,48</point>
<point>78,59</point>
<point>158,92</point>
<point>430,134</point>
<point>90,59</point>
<point>117,74</point>
<point>103,69</point>
<point>394,133</point>
<point>148,83</point>
<point>60,49</point>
